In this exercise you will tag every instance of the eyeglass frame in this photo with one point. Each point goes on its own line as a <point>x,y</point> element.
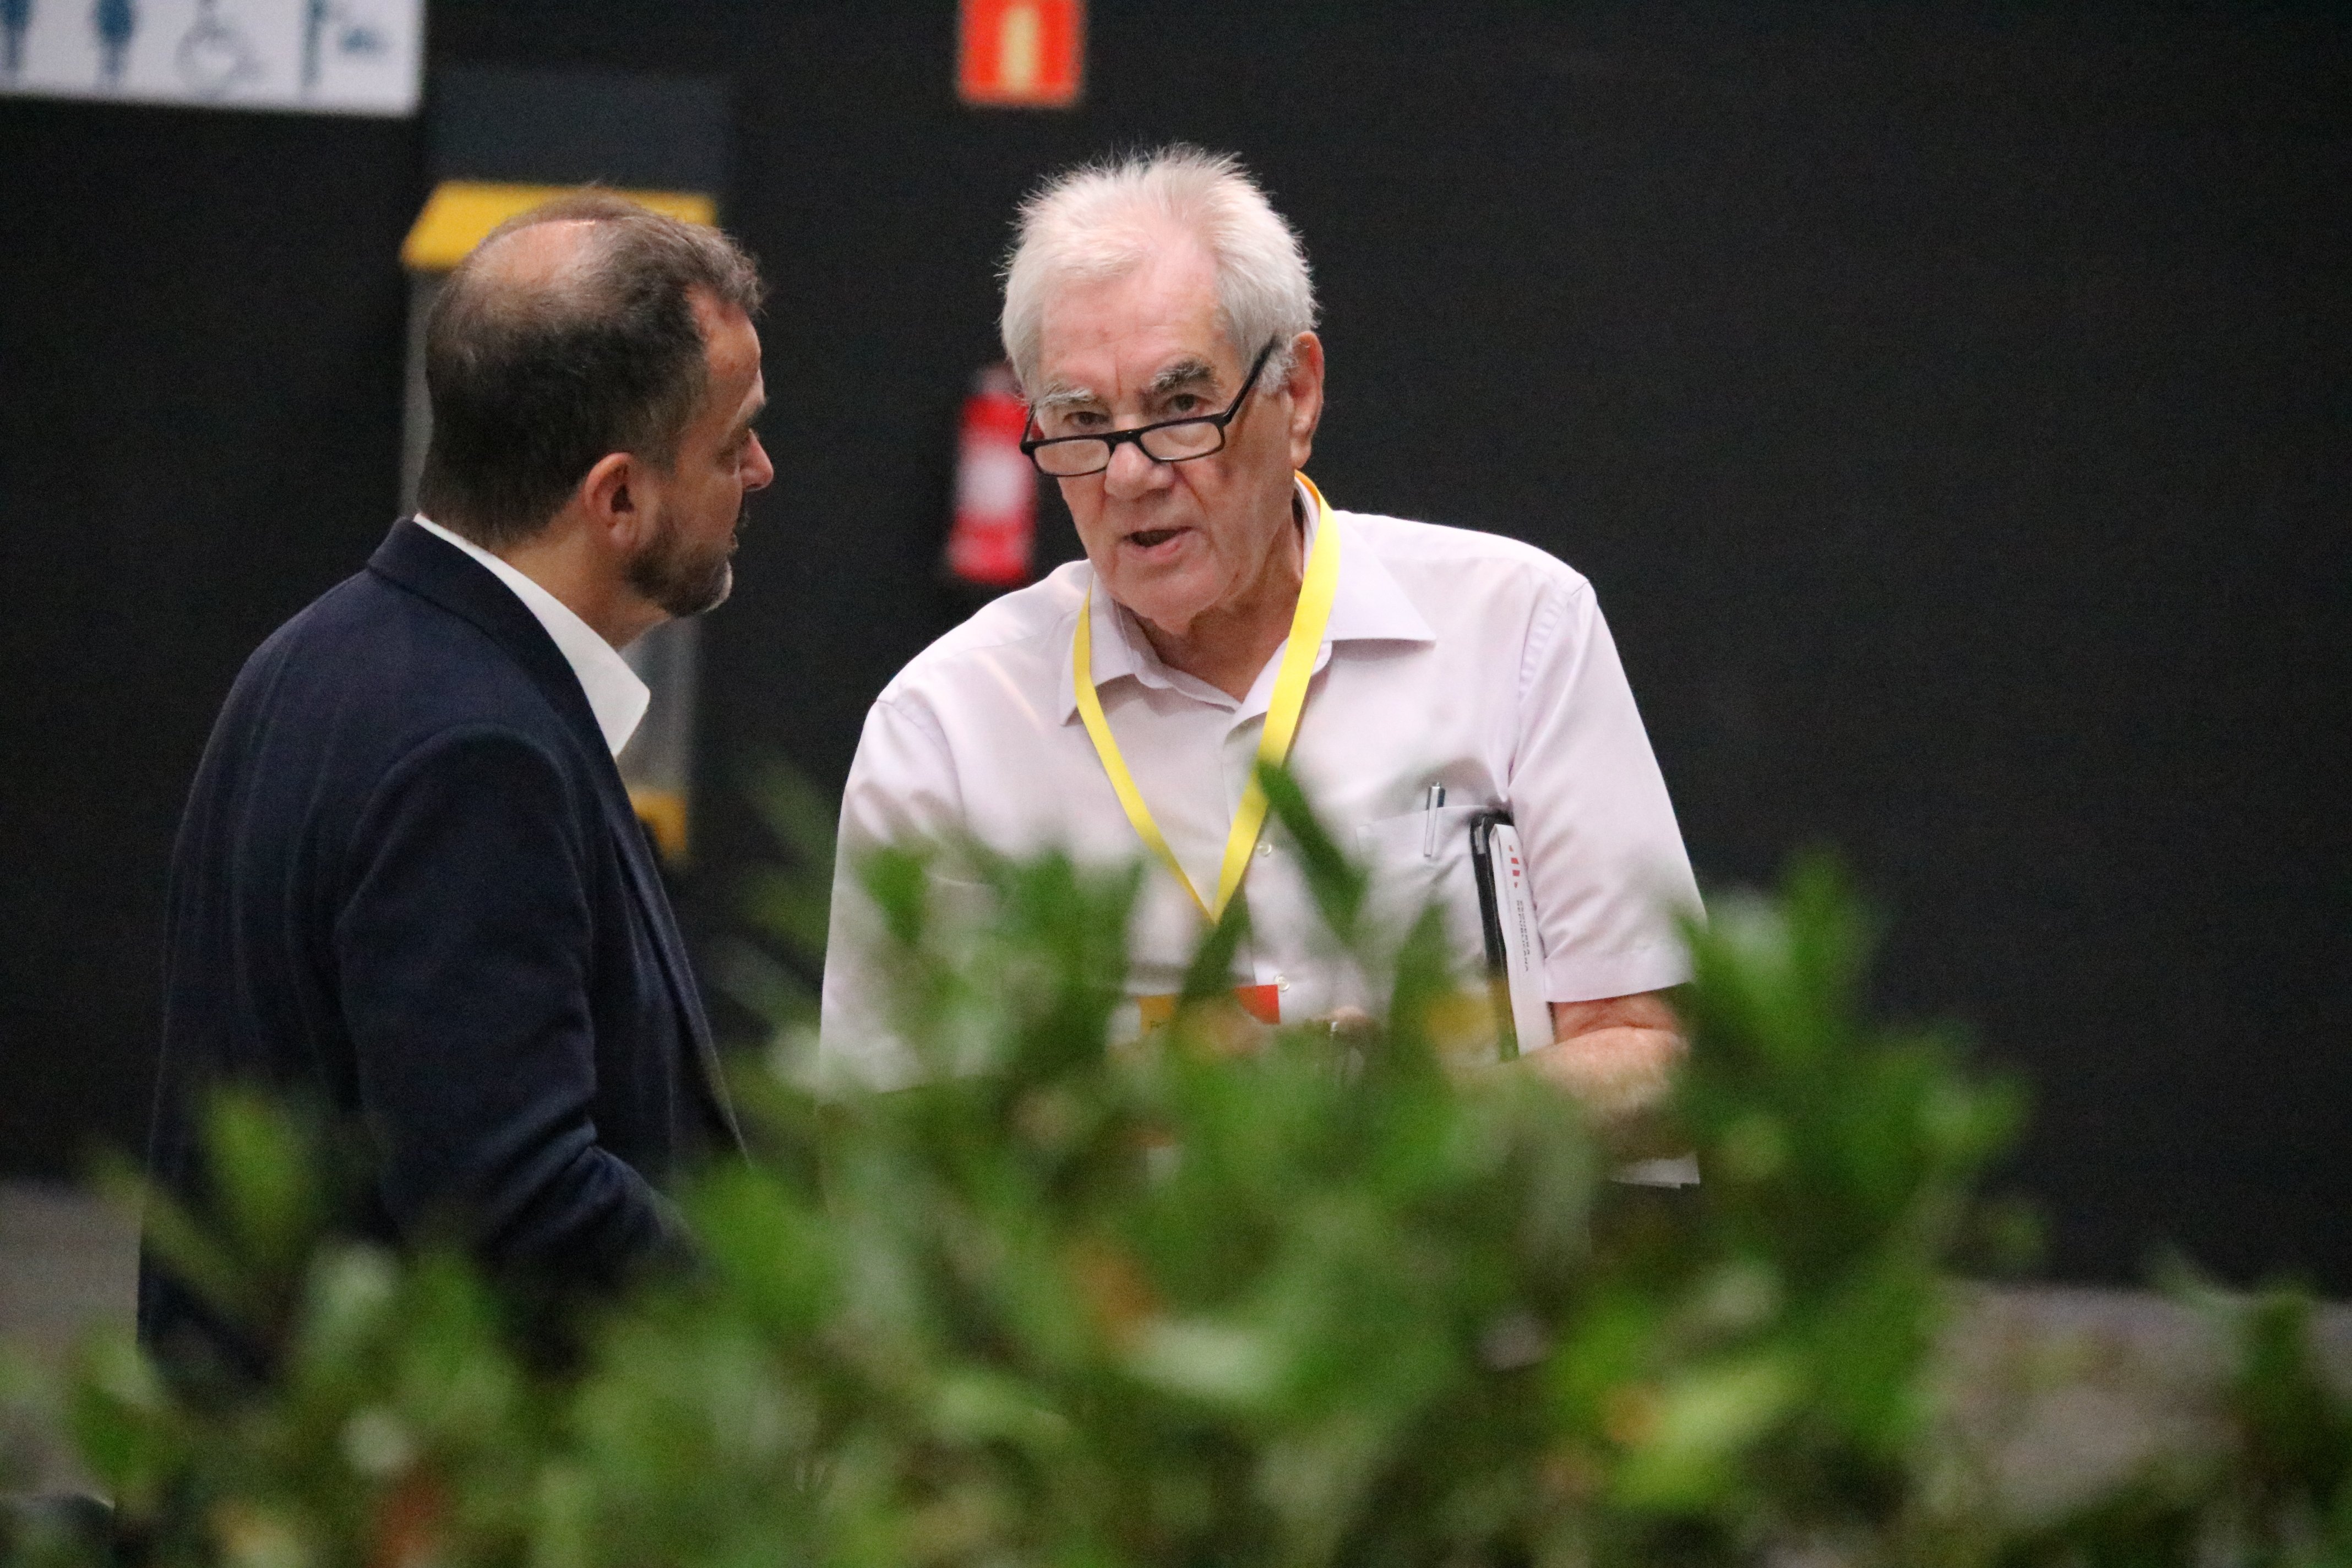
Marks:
<point>1111,439</point>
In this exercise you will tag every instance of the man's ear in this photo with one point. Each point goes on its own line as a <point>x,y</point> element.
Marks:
<point>614,500</point>
<point>1305,384</point>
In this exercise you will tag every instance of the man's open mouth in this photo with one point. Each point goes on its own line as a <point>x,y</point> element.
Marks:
<point>1147,538</point>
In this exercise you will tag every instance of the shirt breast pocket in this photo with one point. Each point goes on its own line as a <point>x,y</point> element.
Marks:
<point>1419,861</point>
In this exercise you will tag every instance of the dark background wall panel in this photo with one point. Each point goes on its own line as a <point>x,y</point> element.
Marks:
<point>196,437</point>
<point>1948,400</point>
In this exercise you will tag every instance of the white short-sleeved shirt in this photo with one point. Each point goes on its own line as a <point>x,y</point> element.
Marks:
<point>1452,658</point>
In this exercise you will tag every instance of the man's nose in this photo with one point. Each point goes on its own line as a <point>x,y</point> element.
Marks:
<point>1132,472</point>
<point>759,473</point>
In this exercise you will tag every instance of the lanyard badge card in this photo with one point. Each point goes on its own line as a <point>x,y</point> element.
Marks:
<point>1506,913</point>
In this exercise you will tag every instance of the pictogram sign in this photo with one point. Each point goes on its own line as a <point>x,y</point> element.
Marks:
<point>1022,54</point>
<point>331,57</point>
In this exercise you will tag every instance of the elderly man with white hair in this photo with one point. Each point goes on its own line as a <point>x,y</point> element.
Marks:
<point>1158,313</point>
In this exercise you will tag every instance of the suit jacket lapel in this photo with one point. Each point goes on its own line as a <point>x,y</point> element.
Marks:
<point>645,879</point>
<point>431,567</point>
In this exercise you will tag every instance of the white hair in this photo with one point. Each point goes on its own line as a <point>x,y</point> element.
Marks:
<point>1104,219</point>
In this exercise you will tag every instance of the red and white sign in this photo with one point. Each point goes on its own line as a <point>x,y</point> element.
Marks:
<point>1022,54</point>
<point>995,531</point>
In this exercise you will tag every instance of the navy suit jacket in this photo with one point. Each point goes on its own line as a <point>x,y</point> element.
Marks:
<point>410,890</point>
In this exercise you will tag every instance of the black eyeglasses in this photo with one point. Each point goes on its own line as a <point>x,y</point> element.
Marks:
<point>1169,441</point>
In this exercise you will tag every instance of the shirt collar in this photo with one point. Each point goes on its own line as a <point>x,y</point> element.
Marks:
<point>615,695</point>
<point>1368,604</point>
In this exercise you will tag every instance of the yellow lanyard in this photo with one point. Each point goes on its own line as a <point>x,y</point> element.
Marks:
<point>1307,626</point>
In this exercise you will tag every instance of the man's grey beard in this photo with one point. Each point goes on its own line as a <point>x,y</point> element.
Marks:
<point>679,584</point>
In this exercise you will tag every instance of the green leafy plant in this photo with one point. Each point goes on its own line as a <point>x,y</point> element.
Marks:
<point>1233,1296</point>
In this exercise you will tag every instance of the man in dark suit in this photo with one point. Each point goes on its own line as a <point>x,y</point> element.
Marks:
<point>409,889</point>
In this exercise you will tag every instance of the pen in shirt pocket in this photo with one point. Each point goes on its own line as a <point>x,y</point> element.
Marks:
<point>1430,805</point>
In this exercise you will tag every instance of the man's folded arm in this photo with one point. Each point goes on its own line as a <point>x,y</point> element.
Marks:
<point>464,940</point>
<point>1606,864</point>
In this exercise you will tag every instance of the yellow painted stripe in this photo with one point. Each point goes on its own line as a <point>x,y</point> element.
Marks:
<point>663,811</point>
<point>460,213</point>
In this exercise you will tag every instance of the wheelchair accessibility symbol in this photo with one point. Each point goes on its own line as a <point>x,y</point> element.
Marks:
<point>215,58</point>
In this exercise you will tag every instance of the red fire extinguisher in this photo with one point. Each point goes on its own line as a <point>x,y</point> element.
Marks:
<point>995,531</point>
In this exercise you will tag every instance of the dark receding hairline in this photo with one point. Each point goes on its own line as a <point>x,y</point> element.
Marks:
<point>580,328</point>
<point>505,290</point>
<point>604,223</point>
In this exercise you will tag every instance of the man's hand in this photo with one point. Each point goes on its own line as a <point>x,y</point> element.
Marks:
<point>1618,1057</point>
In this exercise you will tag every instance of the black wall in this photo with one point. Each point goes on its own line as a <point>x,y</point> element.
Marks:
<point>1950,403</point>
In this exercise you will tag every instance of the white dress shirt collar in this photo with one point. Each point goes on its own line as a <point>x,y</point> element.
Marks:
<point>1366,606</point>
<point>615,696</point>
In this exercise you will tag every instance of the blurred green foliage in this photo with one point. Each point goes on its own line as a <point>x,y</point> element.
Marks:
<point>1241,1297</point>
